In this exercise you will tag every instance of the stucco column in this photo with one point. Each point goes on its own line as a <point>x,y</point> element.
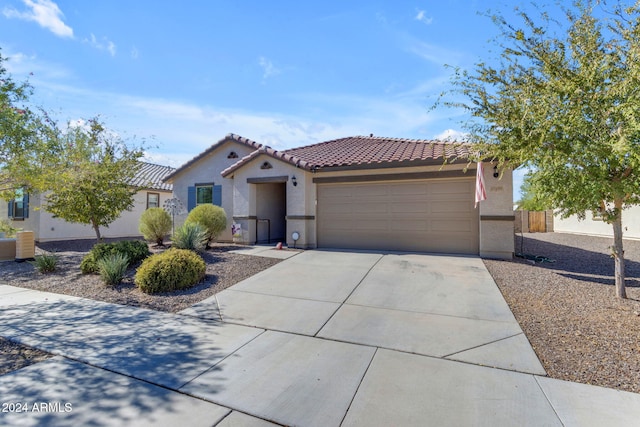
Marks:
<point>496,215</point>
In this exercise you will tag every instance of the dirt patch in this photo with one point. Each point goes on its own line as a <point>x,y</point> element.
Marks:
<point>15,356</point>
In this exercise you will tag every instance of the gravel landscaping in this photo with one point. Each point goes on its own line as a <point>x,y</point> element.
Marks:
<point>568,309</point>
<point>223,270</point>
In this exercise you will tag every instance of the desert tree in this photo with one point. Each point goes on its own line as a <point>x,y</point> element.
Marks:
<point>563,99</point>
<point>92,181</point>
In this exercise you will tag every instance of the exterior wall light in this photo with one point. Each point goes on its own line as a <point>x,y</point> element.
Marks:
<point>495,171</point>
<point>294,181</point>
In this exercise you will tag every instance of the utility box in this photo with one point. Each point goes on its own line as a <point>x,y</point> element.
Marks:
<point>7,249</point>
<point>25,246</point>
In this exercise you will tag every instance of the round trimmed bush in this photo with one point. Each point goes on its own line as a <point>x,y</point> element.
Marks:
<point>210,217</point>
<point>155,224</point>
<point>169,271</point>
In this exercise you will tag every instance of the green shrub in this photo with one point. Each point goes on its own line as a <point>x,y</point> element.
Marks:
<point>210,217</point>
<point>171,270</point>
<point>190,236</point>
<point>155,224</point>
<point>46,263</point>
<point>112,268</point>
<point>7,229</point>
<point>134,250</point>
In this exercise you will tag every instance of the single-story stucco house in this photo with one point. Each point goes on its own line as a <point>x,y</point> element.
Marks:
<point>27,212</point>
<point>593,224</point>
<point>360,192</point>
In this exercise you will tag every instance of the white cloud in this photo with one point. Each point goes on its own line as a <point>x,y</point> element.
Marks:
<point>451,135</point>
<point>102,44</point>
<point>134,53</point>
<point>268,69</point>
<point>23,66</point>
<point>422,17</point>
<point>181,130</point>
<point>45,13</point>
<point>111,47</point>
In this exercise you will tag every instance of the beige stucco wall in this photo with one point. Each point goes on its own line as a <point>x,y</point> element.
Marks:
<point>496,229</point>
<point>208,169</point>
<point>630,224</point>
<point>299,201</point>
<point>47,228</point>
<point>496,215</point>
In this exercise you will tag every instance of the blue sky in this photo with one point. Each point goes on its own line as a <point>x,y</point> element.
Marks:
<point>284,73</point>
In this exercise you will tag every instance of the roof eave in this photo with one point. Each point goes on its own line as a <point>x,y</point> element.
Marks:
<point>230,137</point>
<point>389,165</point>
<point>270,152</point>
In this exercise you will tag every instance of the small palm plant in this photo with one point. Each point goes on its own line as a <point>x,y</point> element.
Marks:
<point>46,263</point>
<point>113,268</point>
<point>190,236</point>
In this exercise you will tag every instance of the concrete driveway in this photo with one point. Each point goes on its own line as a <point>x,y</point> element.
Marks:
<point>324,338</point>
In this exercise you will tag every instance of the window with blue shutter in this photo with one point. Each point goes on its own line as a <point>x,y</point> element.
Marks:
<point>217,195</point>
<point>191,198</point>
<point>19,206</point>
<point>204,194</point>
<point>25,206</point>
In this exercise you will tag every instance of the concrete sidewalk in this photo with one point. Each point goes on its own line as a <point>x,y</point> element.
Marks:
<point>320,339</point>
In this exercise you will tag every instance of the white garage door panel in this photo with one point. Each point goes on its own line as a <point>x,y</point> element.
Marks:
<point>432,216</point>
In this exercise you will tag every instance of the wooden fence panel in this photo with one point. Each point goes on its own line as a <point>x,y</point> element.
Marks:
<point>537,222</point>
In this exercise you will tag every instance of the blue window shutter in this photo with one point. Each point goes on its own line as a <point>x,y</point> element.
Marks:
<point>11,203</point>
<point>191,198</point>
<point>217,195</point>
<point>25,205</point>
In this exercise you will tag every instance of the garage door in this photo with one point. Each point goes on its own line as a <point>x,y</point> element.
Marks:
<point>425,215</point>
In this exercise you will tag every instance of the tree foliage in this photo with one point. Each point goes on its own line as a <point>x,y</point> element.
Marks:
<point>564,99</point>
<point>530,200</point>
<point>24,136</point>
<point>84,171</point>
<point>91,182</point>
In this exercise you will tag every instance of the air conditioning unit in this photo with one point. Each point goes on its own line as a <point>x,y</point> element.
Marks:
<point>25,246</point>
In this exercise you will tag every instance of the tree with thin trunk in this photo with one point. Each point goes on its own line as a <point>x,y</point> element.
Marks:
<point>92,181</point>
<point>564,100</point>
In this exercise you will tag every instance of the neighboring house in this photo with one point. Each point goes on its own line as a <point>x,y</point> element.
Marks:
<point>26,211</point>
<point>359,192</point>
<point>594,225</point>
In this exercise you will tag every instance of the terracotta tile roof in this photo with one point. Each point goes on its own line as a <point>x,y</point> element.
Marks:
<point>152,177</point>
<point>363,152</point>
<point>246,141</point>
<point>374,151</point>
